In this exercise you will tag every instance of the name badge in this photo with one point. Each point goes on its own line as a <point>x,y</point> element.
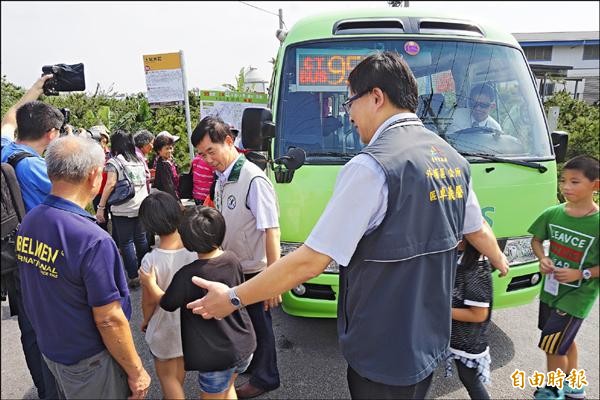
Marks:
<point>551,285</point>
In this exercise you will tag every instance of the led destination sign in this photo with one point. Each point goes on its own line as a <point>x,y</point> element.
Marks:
<point>325,69</point>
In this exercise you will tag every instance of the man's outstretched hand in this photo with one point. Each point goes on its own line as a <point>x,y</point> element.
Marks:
<point>215,304</point>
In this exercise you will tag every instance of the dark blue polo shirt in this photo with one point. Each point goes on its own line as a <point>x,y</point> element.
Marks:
<point>68,264</point>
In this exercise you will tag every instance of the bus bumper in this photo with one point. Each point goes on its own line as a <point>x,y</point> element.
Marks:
<point>317,298</point>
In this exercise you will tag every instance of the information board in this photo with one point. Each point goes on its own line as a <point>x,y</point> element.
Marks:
<point>164,79</point>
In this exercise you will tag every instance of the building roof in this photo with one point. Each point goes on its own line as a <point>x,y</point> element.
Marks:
<point>582,37</point>
<point>557,36</point>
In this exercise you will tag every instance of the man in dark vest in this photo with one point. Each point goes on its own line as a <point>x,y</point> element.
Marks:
<point>411,201</point>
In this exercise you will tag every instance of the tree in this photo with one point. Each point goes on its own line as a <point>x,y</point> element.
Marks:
<point>10,94</point>
<point>117,111</point>
<point>580,120</point>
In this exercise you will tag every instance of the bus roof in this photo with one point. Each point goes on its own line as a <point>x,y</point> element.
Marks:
<point>393,21</point>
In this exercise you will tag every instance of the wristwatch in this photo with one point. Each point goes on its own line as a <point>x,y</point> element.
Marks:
<point>234,299</point>
<point>587,274</point>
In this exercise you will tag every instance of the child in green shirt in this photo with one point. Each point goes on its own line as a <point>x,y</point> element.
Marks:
<point>570,284</point>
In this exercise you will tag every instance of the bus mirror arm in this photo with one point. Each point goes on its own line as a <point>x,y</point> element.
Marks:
<point>292,161</point>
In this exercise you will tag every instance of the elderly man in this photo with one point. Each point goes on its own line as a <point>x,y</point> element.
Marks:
<point>73,282</point>
<point>144,140</point>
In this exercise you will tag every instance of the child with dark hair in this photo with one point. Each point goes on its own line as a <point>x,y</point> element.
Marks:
<point>160,213</point>
<point>219,349</point>
<point>471,315</point>
<point>570,269</point>
<point>166,177</point>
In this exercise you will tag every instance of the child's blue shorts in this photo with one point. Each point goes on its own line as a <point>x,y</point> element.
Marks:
<point>558,329</point>
<point>218,381</point>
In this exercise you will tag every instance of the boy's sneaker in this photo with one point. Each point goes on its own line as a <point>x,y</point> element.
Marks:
<point>549,393</point>
<point>573,393</point>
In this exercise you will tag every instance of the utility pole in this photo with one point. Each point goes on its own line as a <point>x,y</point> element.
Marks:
<point>280,18</point>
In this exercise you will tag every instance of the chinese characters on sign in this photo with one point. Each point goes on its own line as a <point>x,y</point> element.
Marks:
<point>442,179</point>
<point>326,69</point>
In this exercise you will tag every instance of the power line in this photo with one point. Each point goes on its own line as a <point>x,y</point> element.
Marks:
<point>262,9</point>
<point>258,8</point>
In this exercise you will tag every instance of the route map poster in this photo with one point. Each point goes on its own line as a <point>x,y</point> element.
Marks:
<point>229,106</point>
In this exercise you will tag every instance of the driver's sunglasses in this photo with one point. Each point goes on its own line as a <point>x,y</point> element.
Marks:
<point>479,104</point>
<point>348,103</point>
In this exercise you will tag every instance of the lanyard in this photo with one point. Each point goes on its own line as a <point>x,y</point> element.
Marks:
<point>401,122</point>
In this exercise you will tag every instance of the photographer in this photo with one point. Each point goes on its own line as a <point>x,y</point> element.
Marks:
<point>9,121</point>
<point>38,124</point>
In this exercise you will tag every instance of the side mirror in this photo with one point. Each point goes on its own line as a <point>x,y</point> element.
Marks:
<point>292,161</point>
<point>257,128</point>
<point>560,140</point>
<point>257,158</point>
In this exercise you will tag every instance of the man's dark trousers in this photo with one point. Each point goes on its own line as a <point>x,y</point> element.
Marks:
<point>363,388</point>
<point>264,362</point>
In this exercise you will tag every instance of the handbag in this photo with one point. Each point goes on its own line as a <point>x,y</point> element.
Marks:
<point>123,190</point>
<point>186,185</point>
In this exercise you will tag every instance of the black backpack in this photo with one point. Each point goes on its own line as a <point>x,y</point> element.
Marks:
<point>13,211</point>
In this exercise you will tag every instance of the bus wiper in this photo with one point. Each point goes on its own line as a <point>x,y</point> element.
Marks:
<point>491,157</point>
<point>332,154</point>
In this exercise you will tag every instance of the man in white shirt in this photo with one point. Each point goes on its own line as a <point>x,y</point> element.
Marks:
<point>247,200</point>
<point>481,103</point>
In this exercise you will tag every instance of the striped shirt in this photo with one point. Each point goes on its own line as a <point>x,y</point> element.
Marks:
<point>202,177</point>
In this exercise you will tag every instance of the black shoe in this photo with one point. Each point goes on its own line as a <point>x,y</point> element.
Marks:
<point>247,391</point>
<point>133,282</point>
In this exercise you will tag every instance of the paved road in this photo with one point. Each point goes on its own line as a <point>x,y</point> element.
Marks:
<point>311,365</point>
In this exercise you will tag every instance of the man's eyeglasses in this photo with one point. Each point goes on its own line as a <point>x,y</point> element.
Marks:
<point>479,104</point>
<point>348,103</point>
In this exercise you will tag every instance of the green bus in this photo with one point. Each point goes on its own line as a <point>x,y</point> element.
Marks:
<point>513,167</point>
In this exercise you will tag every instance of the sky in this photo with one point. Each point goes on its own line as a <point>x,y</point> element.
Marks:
<point>217,38</point>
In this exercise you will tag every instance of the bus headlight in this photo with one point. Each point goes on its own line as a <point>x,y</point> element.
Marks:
<point>288,247</point>
<point>518,251</point>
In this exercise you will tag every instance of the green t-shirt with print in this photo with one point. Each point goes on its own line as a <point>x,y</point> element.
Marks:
<point>573,244</point>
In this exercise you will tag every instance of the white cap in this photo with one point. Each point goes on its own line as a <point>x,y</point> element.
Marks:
<point>101,130</point>
<point>167,134</point>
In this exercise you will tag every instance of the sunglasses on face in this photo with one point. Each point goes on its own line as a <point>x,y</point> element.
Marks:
<point>480,104</point>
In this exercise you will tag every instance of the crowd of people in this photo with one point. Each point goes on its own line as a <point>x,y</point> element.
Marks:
<point>217,259</point>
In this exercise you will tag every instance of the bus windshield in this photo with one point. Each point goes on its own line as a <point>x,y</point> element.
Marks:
<point>479,97</point>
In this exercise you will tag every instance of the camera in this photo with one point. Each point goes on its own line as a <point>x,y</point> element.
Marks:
<point>66,78</point>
